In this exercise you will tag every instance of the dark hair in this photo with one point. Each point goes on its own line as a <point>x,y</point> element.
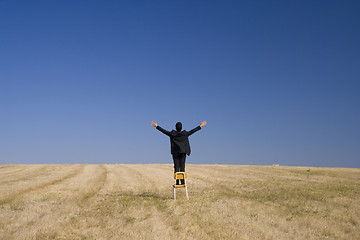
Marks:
<point>178,126</point>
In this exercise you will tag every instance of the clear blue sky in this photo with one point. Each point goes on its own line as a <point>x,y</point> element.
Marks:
<point>277,81</point>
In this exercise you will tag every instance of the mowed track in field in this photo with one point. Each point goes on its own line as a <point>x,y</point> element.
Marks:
<point>135,202</point>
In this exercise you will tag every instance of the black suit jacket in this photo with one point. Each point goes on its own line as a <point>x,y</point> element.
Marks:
<point>179,140</point>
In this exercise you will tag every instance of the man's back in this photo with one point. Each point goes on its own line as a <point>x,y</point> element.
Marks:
<point>179,140</point>
<point>180,145</point>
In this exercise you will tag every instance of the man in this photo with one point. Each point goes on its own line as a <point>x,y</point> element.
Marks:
<point>180,145</point>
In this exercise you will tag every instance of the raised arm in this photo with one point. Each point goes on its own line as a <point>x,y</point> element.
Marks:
<point>160,128</point>
<point>194,130</point>
<point>197,128</point>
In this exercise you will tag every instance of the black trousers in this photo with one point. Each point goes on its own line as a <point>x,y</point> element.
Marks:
<point>179,164</point>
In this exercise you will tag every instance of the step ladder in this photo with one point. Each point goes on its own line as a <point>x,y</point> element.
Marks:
<point>179,176</point>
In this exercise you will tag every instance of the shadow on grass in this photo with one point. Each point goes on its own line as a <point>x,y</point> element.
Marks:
<point>143,200</point>
<point>147,195</point>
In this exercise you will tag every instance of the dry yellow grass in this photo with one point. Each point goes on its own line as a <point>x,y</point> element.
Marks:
<point>135,202</point>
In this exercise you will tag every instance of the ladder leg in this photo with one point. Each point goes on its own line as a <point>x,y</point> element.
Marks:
<point>187,196</point>
<point>174,193</point>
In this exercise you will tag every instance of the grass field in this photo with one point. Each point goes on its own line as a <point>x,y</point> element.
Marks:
<point>135,202</point>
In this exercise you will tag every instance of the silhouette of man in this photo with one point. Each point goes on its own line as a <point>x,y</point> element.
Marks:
<point>180,145</point>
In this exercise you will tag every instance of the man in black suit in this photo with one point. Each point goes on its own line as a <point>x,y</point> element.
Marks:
<point>180,145</point>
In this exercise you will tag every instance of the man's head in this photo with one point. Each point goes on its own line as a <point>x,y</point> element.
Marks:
<point>178,126</point>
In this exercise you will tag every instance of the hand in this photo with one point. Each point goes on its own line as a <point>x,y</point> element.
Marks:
<point>203,124</point>
<point>154,124</point>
